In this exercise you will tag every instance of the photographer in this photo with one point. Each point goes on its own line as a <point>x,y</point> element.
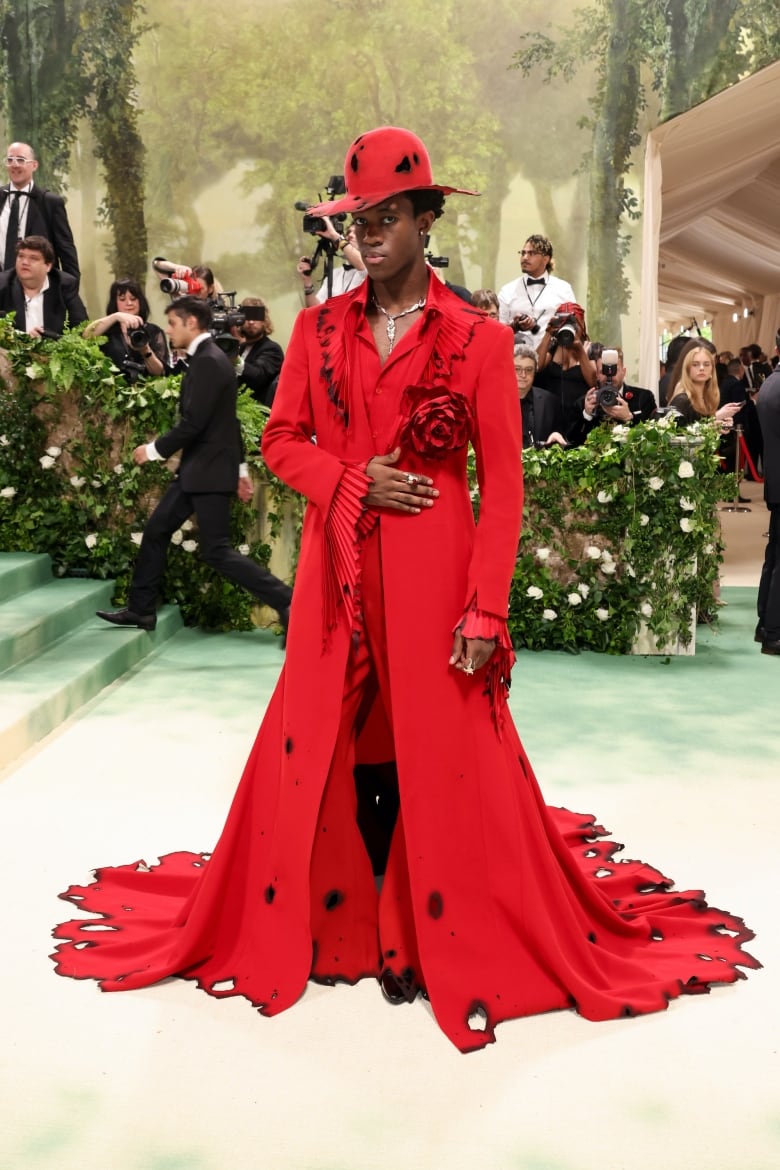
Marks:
<point>565,368</point>
<point>540,410</point>
<point>261,358</point>
<point>345,279</point>
<point>528,304</point>
<point>611,400</point>
<point>135,346</point>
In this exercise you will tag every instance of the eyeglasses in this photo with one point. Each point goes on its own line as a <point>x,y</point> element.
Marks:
<point>526,371</point>
<point>529,252</point>
<point>18,158</point>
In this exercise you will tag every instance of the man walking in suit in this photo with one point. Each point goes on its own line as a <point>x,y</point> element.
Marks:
<point>43,298</point>
<point>768,408</point>
<point>209,438</point>
<point>28,210</point>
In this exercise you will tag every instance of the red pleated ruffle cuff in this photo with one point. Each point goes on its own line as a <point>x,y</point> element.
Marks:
<point>348,523</point>
<point>477,623</point>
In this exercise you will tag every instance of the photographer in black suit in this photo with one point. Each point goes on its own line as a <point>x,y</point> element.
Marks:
<point>768,407</point>
<point>209,474</point>
<point>261,358</point>
<point>44,299</point>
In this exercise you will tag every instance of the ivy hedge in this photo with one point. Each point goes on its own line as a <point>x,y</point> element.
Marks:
<point>619,535</point>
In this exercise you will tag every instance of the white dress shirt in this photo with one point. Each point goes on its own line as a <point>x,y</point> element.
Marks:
<point>519,298</point>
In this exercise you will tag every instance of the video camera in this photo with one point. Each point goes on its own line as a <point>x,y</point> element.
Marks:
<point>178,280</point>
<point>313,224</point>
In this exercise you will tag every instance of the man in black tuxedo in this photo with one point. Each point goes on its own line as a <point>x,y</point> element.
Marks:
<point>768,408</point>
<point>261,358</point>
<point>541,410</point>
<point>44,299</point>
<point>27,210</point>
<point>633,404</point>
<point>209,438</point>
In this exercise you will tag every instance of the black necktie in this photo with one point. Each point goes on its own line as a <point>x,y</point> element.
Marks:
<point>12,233</point>
<point>535,280</point>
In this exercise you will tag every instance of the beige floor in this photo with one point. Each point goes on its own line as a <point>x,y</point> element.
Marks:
<point>168,1079</point>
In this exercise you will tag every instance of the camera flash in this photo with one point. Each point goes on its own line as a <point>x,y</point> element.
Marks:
<point>609,357</point>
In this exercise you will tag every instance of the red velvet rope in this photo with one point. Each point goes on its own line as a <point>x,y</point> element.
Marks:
<point>751,465</point>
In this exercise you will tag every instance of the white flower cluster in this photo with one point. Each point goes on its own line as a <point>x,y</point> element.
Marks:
<point>8,493</point>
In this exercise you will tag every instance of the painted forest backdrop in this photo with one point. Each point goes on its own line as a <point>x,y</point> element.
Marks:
<point>188,129</point>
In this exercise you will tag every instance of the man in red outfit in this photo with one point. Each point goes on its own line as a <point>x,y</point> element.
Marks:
<point>494,904</point>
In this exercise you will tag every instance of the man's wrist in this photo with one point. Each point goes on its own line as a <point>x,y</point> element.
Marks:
<point>308,290</point>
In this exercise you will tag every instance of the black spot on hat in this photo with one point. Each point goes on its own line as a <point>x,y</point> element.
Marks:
<point>288,745</point>
<point>270,894</point>
<point>404,166</point>
<point>332,899</point>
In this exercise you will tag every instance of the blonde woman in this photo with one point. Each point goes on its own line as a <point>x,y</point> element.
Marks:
<point>696,394</point>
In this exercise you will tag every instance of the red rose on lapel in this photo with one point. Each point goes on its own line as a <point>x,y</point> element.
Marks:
<point>628,395</point>
<point>438,421</point>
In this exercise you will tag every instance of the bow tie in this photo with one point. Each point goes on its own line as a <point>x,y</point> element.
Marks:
<point>535,280</point>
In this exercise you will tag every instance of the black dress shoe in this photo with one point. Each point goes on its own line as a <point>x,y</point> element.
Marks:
<point>760,634</point>
<point>772,647</point>
<point>126,617</point>
<point>399,988</point>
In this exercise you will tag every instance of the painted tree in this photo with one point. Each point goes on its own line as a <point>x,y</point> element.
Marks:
<point>62,61</point>
<point>652,59</point>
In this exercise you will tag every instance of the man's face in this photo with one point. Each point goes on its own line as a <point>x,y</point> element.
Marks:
<point>389,237</point>
<point>525,369</point>
<point>181,332</point>
<point>22,166</point>
<point>532,262</point>
<point>31,268</point>
<point>253,330</point>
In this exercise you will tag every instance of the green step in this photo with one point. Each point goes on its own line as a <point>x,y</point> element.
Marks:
<point>22,571</point>
<point>32,621</point>
<point>41,692</point>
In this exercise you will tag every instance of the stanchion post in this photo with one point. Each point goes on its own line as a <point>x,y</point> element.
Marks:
<point>735,505</point>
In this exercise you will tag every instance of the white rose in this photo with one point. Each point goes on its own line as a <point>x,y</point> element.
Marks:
<point>91,540</point>
<point>644,520</point>
<point>709,549</point>
<point>685,470</point>
<point>96,483</point>
<point>686,524</point>
<point>136,537</point>
<point>687,505</point>
<point>542,554</point>
<point>534,591</point>
<point>602,614</point>
<point>606,555</point>
<point>54,451</point>
<point>608,567</point>
<point>244,550</point>
<point>655,483</point>
<point>77,481</point>
<point>4,441</point>
<point>619,433</point>
<point>646,609</point>
<point>592,552</point>
<point>118,469</point>
<point>46,461</point>
<point>604,498</point>
<point>177,537</point>
<point>549,615</point>
<point>189,545</point>
<point>583,589</point>
<point>574,599</point>
<point>8,493</point>
<point>187,525</point>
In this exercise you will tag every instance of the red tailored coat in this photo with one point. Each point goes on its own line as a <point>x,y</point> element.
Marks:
<point>503,907</point>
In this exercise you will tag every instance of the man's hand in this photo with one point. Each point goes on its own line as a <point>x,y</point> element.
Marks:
<point>245,490</point>
<point>589,405</point>
<point>140,456</point>
<point>525,322</point>
<point>392,488</point>
<point>470,654</point>
<point>620,412</point>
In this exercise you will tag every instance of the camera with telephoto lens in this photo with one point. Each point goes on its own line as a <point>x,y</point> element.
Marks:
<point>609,393</point>
<point>178,280</point>
<point>138,338</point>
<point>313,224</point>
<point>566,331</point>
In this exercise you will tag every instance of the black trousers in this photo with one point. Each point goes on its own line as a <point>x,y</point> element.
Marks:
<point>212,510</point>
<point>769,585</point>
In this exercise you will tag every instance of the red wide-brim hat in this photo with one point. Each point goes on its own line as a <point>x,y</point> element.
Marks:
<point>382,163</point>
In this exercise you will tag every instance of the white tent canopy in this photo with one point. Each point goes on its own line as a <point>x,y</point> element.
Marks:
<point>711,233</point>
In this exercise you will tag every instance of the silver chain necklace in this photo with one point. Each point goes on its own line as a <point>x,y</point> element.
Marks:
<point>391,318</point>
